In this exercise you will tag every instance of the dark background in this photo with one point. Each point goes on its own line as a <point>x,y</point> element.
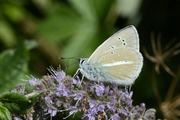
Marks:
<point>72,28</point>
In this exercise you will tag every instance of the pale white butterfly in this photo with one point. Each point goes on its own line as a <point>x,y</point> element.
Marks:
<point>117,60</point>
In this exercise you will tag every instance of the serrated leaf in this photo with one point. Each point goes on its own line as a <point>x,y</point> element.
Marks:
<point>15,102</point>
<point>4,113</point>
<point>13,64</point>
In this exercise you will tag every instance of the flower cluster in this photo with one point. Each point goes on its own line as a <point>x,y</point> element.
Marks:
<point>93,100</point>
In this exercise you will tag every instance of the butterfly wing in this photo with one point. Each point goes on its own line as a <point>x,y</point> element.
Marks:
<point>124,38</point>
<point>121,65</point>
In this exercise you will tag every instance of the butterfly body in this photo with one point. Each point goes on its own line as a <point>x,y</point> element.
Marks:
<point>117,60</point>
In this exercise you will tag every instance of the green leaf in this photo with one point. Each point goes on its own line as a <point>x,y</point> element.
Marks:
<point>15,102</point>
<point>85,8</point>
<point>61,23</point>
<point>15,13</point>
<point>13,64</point>
<point>36,98</point>
<point>7,35</point>
<point>4,113</point>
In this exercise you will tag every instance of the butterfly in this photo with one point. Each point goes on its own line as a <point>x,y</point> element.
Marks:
<point>117,60</point>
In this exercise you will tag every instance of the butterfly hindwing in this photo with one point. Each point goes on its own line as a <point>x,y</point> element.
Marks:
<point>120,65</point>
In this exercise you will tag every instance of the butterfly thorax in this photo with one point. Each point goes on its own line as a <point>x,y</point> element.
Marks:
<point>90,70</point>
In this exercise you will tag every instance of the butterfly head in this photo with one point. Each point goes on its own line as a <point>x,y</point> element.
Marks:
<point>82,62</point>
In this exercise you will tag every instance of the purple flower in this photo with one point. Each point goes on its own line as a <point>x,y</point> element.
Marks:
<point>62,90</point>
<point>60,87</point>
<point>115,117</point>
<point>128,102</point>
<point>106,90</point>
<point>143,105</point>
<point>111,92</point>
<point>126,112</point>
<point>78,96</point>
<point>52,112</point>
<point>16,118</point>
<point>67,92</point>
<point>110,105</point>
<point>47,98</point>
<point>137,115</point>
<point>101,108</point>
<point>100,90</point>
<point>60,75</point>
<point>73,110</point>
<point>77,82</point>
<point>92,103</point>
<point>130,94</point>
<point>142,109</point>
<point>33,81</point>
<point>49,110</point>
<point>91,113</point>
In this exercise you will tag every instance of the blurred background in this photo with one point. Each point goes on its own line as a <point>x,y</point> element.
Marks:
<point>48,30</point>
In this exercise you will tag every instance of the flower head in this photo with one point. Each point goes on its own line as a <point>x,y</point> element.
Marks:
<point>96,101</point>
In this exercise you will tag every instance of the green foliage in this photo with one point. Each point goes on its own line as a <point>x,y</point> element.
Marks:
<point>7,35</point>
<point>11,13</point>
<point>13,64</point>
<point>15,102</point>
<point>4,113</point>
<point>80,22</point>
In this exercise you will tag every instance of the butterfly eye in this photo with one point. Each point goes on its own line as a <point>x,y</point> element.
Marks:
<point>81,61</point>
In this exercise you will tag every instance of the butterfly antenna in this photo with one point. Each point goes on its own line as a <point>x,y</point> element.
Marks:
<point>66,66</point>
<point>69,58</point>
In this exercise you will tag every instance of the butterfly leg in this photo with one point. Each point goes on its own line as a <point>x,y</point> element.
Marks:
<point>76,73</point>
<point>79,69</point>
<point>82,78</point>
<point>128,88</point>
<point>98,80</point>
<point>95,77</point>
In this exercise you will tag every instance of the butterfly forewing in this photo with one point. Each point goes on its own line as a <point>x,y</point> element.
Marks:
<point>124,38</point>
